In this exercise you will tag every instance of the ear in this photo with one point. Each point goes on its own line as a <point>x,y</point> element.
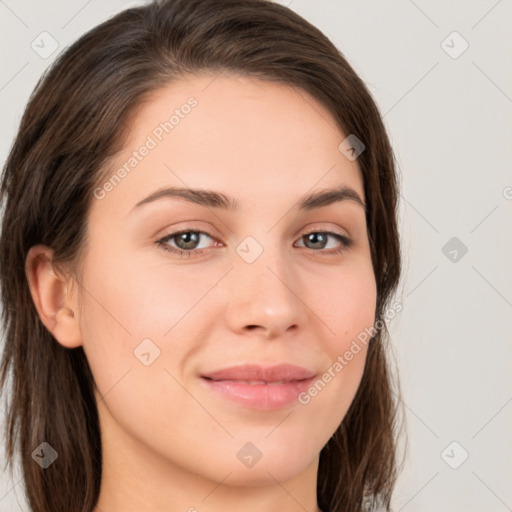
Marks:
<point>54,297</point>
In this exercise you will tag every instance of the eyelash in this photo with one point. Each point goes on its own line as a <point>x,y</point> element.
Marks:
<point>345,242</point>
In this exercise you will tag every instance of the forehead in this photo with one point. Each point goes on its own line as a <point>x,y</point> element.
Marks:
<point>252,139</point>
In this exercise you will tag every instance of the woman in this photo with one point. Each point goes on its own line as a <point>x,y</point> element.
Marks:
<point>198,252</point>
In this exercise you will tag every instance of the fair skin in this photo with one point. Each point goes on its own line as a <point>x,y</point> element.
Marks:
<point>169,441</point>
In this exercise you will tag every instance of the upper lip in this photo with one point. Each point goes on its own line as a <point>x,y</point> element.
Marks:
<point>254,372</point>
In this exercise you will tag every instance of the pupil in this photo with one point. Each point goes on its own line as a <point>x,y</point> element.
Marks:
<point>184,237</point>
<point>315,237</point>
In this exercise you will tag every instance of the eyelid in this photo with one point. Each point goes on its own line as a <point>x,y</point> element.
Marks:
<point>326,229</point>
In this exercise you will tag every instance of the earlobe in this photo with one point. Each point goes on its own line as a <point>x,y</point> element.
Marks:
<point>51,293</point>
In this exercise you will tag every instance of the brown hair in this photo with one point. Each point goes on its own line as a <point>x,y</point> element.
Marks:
<point>75,121</point>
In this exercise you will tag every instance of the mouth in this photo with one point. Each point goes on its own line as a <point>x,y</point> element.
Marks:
<point>254,382</point>
<point>262,374</point>
<point>262,395</point>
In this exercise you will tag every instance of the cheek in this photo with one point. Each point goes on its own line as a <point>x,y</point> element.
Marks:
<point>346,305</point>
<point>152,298</point>
<point>126,302</point>
<point>111,321</point>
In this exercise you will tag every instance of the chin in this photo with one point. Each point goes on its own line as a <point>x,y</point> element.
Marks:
<point>279,459</point>
<point>266,473</point>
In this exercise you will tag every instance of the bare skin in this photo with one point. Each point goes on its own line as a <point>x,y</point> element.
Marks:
<point>170,443</point>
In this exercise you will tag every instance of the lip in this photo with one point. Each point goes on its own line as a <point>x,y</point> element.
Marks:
<point>279,372</point>
<point>260,387</point>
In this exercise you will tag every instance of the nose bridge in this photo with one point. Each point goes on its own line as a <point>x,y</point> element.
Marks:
<point>262,260</point>
<point>264,289</point>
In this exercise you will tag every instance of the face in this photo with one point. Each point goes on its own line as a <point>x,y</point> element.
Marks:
<point>207,345</point>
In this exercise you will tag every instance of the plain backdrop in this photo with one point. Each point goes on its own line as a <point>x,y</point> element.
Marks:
<point>441,74</point>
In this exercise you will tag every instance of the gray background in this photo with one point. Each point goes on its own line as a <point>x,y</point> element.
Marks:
<point>449,118</point>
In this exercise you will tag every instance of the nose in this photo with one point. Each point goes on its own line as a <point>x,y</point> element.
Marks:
<point>265,298</point>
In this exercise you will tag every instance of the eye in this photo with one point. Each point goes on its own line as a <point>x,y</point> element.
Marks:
<point>320,239</point>
<point>186,241</point>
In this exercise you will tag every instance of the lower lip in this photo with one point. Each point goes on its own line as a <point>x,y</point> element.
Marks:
<point>260,396</point>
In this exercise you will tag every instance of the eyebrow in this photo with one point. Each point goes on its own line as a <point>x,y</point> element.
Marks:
<point>212,199</point>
